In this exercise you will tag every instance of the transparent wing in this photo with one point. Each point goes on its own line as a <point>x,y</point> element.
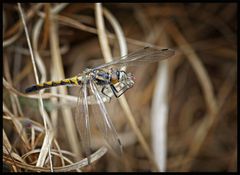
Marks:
<point>82,121</point>
<point>148,54</point>
<point>104,122</point>
<point>92,99</point>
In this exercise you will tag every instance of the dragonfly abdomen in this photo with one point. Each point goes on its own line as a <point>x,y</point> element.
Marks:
<point>68,81</point>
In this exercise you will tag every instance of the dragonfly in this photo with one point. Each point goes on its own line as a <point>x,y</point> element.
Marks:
<point>101,81</point>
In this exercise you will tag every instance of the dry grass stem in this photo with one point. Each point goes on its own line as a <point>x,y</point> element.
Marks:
<point>123,102</point>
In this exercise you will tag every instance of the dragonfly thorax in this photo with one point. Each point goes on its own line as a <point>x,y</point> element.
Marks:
<point>111,76</point>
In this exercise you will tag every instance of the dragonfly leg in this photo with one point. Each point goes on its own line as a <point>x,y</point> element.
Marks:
<point>102,91</point>
<point>118,93</point>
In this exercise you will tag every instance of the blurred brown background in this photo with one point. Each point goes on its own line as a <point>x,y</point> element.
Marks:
<point>202,94</point>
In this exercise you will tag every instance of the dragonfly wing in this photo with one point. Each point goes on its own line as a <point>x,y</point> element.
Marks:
<point>82,121</point>
<point>104,122</point>
<point>147,54</point>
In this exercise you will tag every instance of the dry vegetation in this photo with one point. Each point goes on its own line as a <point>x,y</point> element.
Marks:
<point>38,129</point>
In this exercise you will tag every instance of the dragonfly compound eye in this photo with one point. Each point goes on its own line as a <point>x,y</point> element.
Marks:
<point>114,78</point>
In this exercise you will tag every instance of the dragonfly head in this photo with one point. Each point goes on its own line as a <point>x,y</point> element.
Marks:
<point>118,76</point>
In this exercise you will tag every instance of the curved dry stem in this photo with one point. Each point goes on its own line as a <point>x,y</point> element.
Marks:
<point>12,39</point>
<point>18,28</point>
<point>76,24</point>
<point>17,125</point>
<point>60,152</point>
<point>43,112</point>
<point>80,164</point>
<point>53,152</point>
<point>197,66</point>
<point>14,100</point>
<point>207,87</point>
<point>119,33</point>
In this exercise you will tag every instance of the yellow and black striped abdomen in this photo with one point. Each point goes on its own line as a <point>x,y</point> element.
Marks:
<point>48,84</point>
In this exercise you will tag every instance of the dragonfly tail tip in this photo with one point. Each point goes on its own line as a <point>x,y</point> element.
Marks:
<point>30,89</point>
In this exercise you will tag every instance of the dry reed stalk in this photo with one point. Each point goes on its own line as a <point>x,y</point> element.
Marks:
<point>123,102</point>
